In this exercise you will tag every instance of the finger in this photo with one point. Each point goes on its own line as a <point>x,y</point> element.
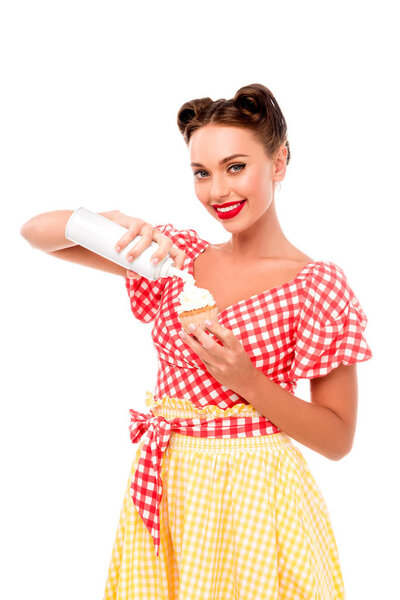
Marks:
<point>162,242</point>
<point>221,332</point>
<point>206,340</point>
<point>145,239</point>
<point>178,255</point>
<point>179,259</point>
<point>133,230</point>
<point>165,247</point>
<point>196,346</point>
<point>192,340</point>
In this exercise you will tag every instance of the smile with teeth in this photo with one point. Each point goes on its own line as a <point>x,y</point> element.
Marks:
<point>229,208</point>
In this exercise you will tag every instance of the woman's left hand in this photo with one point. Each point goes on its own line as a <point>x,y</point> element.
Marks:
<point>229,364</point>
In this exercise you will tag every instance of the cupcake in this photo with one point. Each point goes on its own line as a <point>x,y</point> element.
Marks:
<point>196,306</point>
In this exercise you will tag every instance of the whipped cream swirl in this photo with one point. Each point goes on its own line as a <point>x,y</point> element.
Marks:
<point>193,297</point>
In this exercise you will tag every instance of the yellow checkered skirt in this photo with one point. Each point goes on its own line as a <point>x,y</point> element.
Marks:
<point>240,519</point>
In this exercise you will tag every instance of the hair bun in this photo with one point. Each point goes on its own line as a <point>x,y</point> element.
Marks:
<point>192,112</point>
<point>251,100</point>
<point>186,115</point>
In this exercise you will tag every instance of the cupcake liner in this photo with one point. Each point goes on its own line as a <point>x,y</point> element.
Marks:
<point>198,317</point>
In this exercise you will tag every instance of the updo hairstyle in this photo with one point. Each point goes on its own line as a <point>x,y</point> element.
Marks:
<point>253,107</point>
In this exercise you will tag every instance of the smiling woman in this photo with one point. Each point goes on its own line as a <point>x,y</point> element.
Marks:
<point>250,127</point>
<point>219,501</point>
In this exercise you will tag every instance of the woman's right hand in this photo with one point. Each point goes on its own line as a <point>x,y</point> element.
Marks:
<point>149,234</point>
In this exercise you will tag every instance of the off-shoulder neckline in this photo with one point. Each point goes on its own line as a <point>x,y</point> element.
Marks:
<point>268,292</point>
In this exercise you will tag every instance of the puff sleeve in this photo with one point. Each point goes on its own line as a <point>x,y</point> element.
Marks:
<point>145,295</point>
<point>330,326</point>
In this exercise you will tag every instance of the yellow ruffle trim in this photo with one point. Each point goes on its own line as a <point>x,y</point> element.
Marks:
<point>170,407</point>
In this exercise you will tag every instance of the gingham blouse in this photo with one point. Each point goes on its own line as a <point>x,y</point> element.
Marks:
<point>303,328</point>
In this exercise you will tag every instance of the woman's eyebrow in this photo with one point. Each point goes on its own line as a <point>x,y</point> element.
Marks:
<point>221,162</point>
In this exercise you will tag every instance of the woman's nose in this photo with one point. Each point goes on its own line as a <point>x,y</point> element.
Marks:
<point>219,189</point>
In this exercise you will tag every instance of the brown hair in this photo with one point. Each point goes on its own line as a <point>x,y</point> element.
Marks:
<point>253,107</point>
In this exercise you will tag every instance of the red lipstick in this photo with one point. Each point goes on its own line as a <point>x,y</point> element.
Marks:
<point>228,214</point>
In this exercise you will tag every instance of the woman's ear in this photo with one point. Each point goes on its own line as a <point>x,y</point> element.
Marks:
<point>280,164</point>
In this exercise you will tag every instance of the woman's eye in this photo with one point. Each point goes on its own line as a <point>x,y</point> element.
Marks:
<point>241,167</point>
<point>199,171</point>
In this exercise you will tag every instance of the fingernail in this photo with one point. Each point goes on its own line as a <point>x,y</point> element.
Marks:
<point>208,323</point>
<point>155,260</point>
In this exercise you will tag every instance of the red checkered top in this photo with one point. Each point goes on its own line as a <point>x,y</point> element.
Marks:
<point>303,328</point>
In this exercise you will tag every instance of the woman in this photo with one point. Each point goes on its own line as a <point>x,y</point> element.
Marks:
<point>220,503</point>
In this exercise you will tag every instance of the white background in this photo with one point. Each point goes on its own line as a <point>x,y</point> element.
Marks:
<point>90,93</point>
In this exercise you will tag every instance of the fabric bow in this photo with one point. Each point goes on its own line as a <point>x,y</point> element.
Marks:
<point>146,488</point>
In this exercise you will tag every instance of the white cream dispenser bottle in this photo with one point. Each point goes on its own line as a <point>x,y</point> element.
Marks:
<point>100,235</point>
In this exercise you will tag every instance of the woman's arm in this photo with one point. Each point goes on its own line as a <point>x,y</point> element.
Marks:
<point>326,424</point>
<point>46,231</point>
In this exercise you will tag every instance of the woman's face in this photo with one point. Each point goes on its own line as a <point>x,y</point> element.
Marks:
<point>250,176</point>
